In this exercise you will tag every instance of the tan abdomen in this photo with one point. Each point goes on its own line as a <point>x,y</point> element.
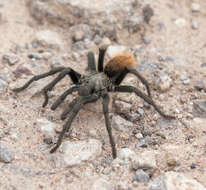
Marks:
<point>118,63</point>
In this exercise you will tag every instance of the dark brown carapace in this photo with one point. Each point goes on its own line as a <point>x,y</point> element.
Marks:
<point>118,63</point>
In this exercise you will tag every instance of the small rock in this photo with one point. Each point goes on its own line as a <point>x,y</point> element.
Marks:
<point>81,32</point>
<point>199,108</point>
<point>3,84</point>
<point>195,7</point>
<point>171,160</point>
<point>22,69</point>
<point>147,40</point>
<point>10,58</point>
<point>163,82</point>
<point>144,142</point>
<point>34,56</point>
<point>181,22</point>
<point>141,176</point>
<point>147,13</point>
<point>178,181</point>
<point>78,46</point>
<point>48,139</point>
<point>97,39</point>
<point>126,155</point>
<point>73,153</point>
<point>56,62</point>
<point>145,160</point>
<point>115,49</point>
<point>47,38</point>
<point>139,136</point>
<point>203,64</point>
<point>200,85</point>
<point>46,126</point>
<point>158,184</point>
<point>133,23</point>
<point>101,184</point>
<point>193,166</point>
<point>6,155</point>
<point>121,124</point>
<point>195,25</point>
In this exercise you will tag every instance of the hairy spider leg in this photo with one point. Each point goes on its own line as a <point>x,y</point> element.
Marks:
<point>102,51</point>
<point>75,110</point>
<point>70,107</point>
<point>37,77</point>
<point>63,97</point>
<point>122,74</point>
<point>105,104</point>
<point>91,62</point>
<point>143,96</point>
<point>67,71</point>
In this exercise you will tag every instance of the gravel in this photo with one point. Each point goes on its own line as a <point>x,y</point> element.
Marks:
<point>6,155</point>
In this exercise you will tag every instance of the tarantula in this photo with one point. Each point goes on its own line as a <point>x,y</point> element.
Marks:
<point>90,88</point>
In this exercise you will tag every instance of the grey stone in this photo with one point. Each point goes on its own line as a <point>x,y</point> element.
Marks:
<point>199,108</point>
<point>101,184</point>
<point>6,155</point>
<point>144,160</point>
<point>46,126</point>
<point>126,155</point>
<point>80,32</point>
<point>56,62</point>
<point>3,84</point>
<point>141,176</point>
<point>120,123</point>
<point>195,25</point>
<point>74,153</point>
<point>78,46</point>
<point>178,181</point>
<point>10,58</point>
<point>144,142</point>
<point>158,184</point>
<point>163,82</point>
<point>147,13</point>
<point>35,56</point>
<point>133,24</point>
<point>49,39</point>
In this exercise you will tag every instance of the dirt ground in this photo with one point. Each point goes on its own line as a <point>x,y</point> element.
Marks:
<point>174,43</point>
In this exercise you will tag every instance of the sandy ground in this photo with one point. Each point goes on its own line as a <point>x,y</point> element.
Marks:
<point>33,167</point>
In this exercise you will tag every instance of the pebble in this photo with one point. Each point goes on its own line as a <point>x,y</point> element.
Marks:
<point>163,82</point>
<point>203,64</point>
<point>195,7</point>
<point>10,58</point>
<point>120,124</point>
<point>115,49</point>
<point>22,69</point>
<point>141,176</point>
<point>199,108</point>
<point>139,135</point>
<point>101,184</point>
<point>200,85</point>
<point>126,155</point>
<point>133,23</point>
<point>193,166</point>
<point>46,126</point>
<point>6,155</point>
<point>56,62</point>
<point>181,22</point>
<point>3,84</point>
<point>144,160</point>
<point>185,78</point>
<point>147,13</point>
<point>195,25</point>
<point>144,142</point>
<point>34,56</point>
<point>178,181</point>
<point>49,39</point>
<point>158,184</point>
<point>74,153</point>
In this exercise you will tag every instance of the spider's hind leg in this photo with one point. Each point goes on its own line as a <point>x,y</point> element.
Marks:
<point>102,51</point>
<point>91,62</point>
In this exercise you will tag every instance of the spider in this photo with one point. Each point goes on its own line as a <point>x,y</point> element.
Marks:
<point>91,87</point>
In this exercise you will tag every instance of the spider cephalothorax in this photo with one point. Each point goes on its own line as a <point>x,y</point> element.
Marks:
<point>96,85</point>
